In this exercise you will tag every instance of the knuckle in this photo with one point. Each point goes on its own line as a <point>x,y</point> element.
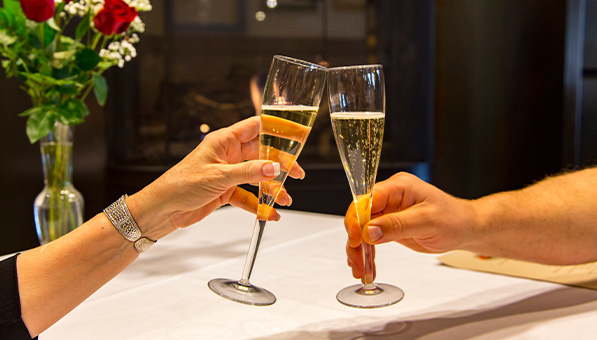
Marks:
<point>397,225</point>
<point>248,172</point>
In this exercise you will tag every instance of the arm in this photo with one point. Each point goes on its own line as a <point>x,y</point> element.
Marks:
<point>553,221</point>
<point>54,278</point>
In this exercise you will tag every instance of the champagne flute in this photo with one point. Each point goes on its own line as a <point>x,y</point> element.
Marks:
<point>291,99</point>
<point>357,111</point>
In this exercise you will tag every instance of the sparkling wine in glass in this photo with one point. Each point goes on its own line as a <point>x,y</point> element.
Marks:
<point>291,100</point>
<point>357,111</point>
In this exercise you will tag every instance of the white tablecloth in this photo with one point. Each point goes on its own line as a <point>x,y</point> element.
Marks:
<point>164,294</point>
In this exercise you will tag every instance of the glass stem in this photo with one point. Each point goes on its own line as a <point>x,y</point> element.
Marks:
<point>252,254</point>
<point>363,208</point>
<point>369,266</point>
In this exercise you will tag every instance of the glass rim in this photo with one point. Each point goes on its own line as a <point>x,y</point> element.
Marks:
<point>356,67</point>
<point>299,62</point>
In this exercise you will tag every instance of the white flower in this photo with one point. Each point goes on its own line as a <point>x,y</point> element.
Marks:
<point>82,7</point>
<point>139,5</point>
<point>134,38</point>
<point>120,52</point>
<point>137,25</point>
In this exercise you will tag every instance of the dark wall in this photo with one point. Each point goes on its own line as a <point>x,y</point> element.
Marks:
<point>499,93</point>
<point>20,172</point>
<point>588,149</point>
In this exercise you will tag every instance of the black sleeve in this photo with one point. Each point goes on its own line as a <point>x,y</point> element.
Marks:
<point>11,324</point>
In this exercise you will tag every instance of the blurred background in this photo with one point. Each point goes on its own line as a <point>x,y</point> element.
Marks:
<point>482,96</point>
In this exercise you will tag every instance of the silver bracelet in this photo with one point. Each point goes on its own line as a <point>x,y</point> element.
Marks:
<point>118,213</point>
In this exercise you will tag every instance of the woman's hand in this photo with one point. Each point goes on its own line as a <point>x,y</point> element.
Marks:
<point>206,179</point>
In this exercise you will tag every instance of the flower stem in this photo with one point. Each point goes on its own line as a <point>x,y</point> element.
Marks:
<point>42,40</point>
<point>96,39</point>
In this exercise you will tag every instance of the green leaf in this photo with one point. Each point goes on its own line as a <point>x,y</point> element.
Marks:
<point>64,40</point>
<point>30,111</point>
<point>87,59</point>
<point>34,40</point>
<point>49,33</point>
<point>37,79</point>
<point>62,58</point>
<point>72,112</point>
<point>82,28</point>
<point>15,18</point>
<point>13,8</point>
<point>106,64</point>
<point>39,123</point>
<point>20,24</point>
<point>50,49</point>
<point>52,23</point>
<point>68,89</point>
<point>3,18</point>
<point>46,70</point>
<point>65,72</point>
<point>6,38</point>
<point>100,88</point>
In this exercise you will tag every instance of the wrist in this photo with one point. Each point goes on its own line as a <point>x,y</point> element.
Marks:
<point>495,225</point>
<point>477,226</point>
<point>151,217</point>
<point>121,218</point>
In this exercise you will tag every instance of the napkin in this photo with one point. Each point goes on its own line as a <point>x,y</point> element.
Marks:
<point>584,275</point>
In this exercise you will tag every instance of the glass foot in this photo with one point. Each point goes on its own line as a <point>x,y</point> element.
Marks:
<point>243,293</point>
<point>379,295</point>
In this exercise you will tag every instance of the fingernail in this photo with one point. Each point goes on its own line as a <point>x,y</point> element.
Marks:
<point>303,174</point>
<point>375,233</point>
<point>289,201</point>
<point>271,169</point>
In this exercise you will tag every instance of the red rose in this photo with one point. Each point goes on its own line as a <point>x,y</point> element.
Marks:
<point>115,17</point>
<point>38,10</point>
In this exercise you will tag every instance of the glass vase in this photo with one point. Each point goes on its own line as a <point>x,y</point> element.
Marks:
<point>58,208</point>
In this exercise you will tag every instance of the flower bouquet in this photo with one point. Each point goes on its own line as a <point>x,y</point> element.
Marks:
<point>59,71</point>
<point>59,50</point>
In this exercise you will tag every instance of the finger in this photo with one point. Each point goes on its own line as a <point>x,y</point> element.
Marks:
<point>353,227</point>
<point>284,198</point>
<point>296,172</point>
<point>273,215</point>
<point>250,149</point>
<point>384,194</point>
<point>246,129</point>
<point>395,193</point>
<point>410,223</point>
<point>247,201</point>
<point>399,192</point>
<point>249,172</point>
<point>355,258</point>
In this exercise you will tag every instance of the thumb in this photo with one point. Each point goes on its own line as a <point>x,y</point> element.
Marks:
<point>251,172</point>
<point>392,227</point>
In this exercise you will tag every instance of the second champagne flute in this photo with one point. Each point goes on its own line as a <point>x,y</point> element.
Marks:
<point>357,110</point>
<point>290,103</point>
